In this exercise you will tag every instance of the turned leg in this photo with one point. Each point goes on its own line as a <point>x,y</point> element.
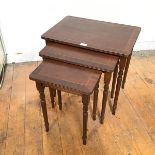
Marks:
<point>85,100</point>
<point>52,96</point>
<point>40,88</point>
<point>107,77</point>
<point>126,70</point>
<point>119,81</point>
<point>114,81</point>
<point>59,100</point>
<point>95,101</point>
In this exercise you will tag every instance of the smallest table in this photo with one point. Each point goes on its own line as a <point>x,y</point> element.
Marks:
<point>69,78</point>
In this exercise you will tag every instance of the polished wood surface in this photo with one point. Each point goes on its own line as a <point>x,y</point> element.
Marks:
<point>114,81</point>
<point>22,129</point>
<point>96,90</point>
<point>119,82</point>
<point>107,77</point>
<point>67,77</point>
<point>41,88</point>
<point>52,96</point>
<point>102,36</point>
<point>70,78</point>
<point>105,37</point>
<point>77,56</point>
<point>59,100</point>
<point>126,70</point>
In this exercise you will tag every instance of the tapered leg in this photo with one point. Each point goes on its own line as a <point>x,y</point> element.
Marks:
<point>85,100</point>
<point>119,81</point>
<point>126,70</point>
<point>95,101</point>
<point>52,96</point>
<point>59,99</point>
<point>40,88</point>
<point>107,77</point>
<point>114,81</point>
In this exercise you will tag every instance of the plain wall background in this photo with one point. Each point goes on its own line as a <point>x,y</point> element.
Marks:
<point>23,22</point>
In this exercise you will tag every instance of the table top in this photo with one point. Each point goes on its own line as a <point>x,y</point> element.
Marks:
<point>112,38</point>
<point>66,76</point>
<point>79,56</point>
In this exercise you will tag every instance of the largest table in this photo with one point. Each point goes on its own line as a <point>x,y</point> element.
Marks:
<point>112,38</point>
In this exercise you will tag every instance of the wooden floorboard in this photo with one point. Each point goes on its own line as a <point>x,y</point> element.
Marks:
<point>130,132</point>
<point>33,119</point>
<point>16,122</point>
<point>5,99</point>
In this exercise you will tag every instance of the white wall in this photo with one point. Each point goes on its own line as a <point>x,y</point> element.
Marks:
<point>23,22</point>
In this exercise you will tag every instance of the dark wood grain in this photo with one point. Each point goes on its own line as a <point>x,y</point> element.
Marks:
<point>114,81</point>
<point>59,99</point>
<point>107,77</point>
<point>119,82</point>
<point>52,96</point>
<point>102,36</point>
<point>126,70</point>
<point>85,101</point>
<point>40,88</point>
<point>66,77</point>
<point>78,56</point>
<point>95,99</point>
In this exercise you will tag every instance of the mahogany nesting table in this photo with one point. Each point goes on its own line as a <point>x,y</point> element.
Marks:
<point>99,36</point>
<point>66,77</point>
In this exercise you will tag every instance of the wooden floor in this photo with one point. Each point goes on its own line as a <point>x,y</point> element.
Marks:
<point>130,132</point>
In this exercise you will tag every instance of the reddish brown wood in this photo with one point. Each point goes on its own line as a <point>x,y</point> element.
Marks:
<point>101,36</point>
<point>40,88</point>
<point>114,81</point>
<point>78,56</point>
<point>52,96</point>
<point>69,78</point>
<point>107,77</point>
<point>105,37</point>
<point>59,99</point>
<point>126,70</point>
<point>119,81</point>
<point>66,76</point>
<point>85,101</point>
<point>54,92</point>
<point>95,99</point>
